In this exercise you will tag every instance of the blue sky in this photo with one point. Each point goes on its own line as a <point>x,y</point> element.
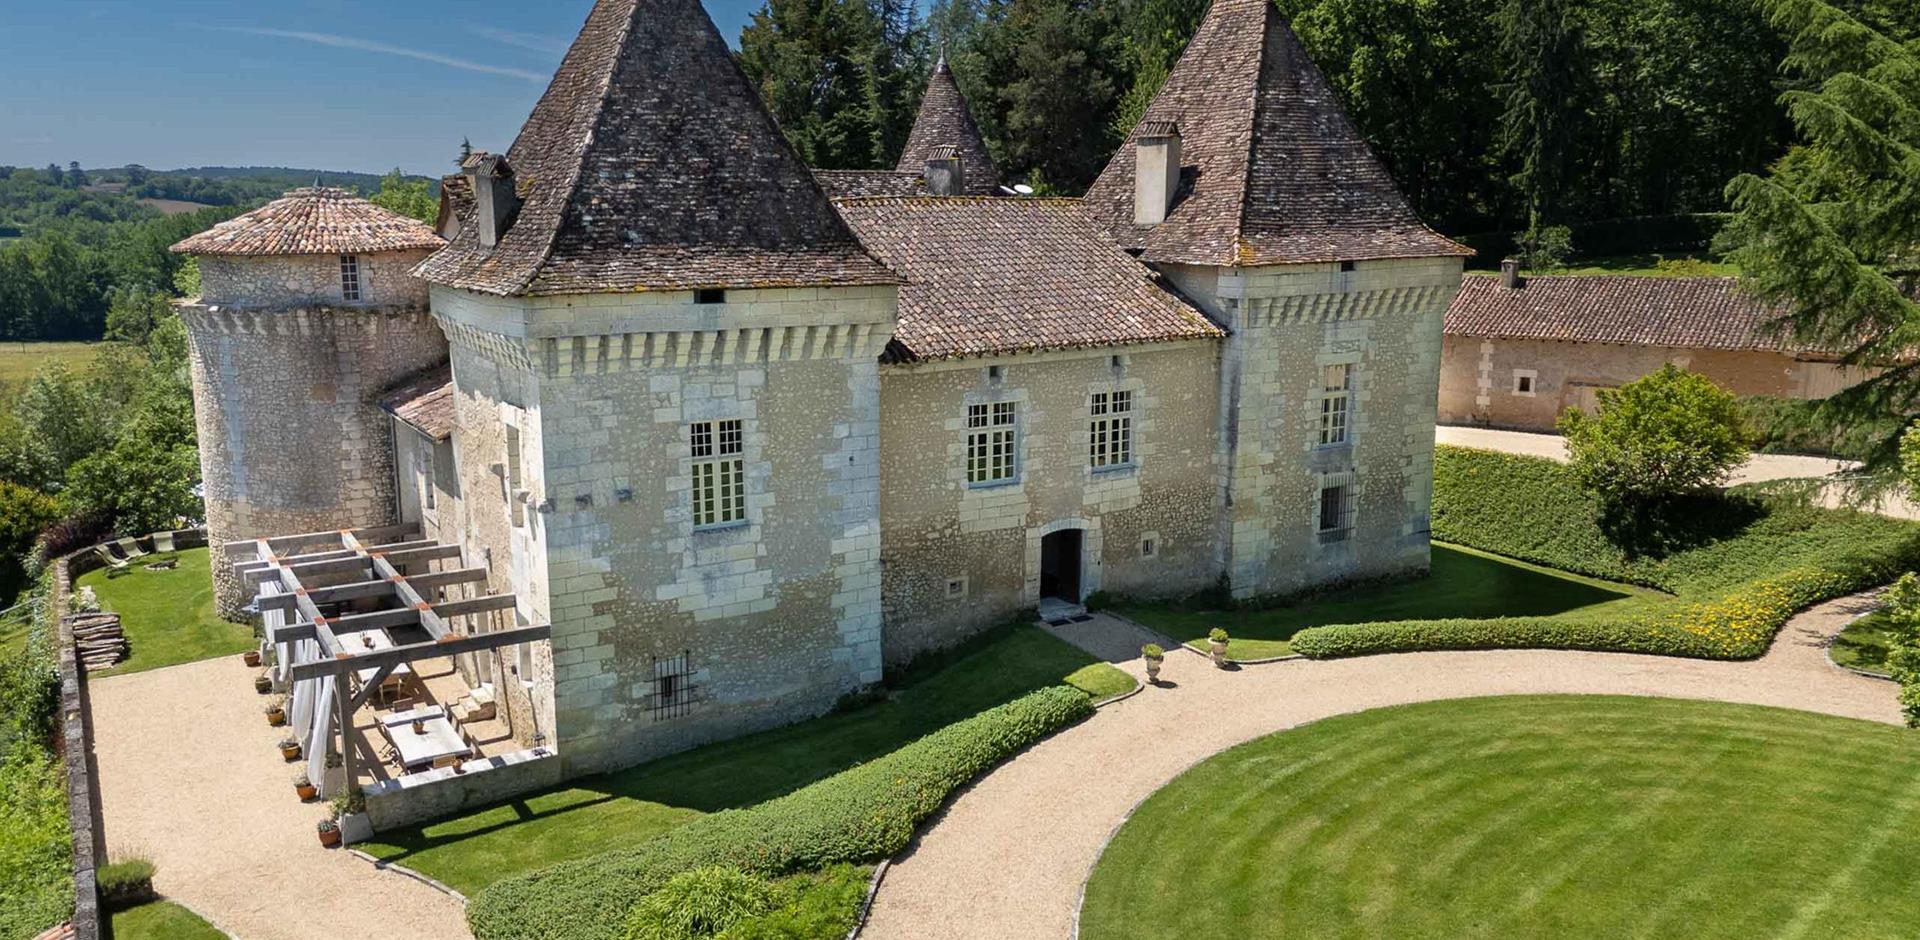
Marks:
<point>332,84</point>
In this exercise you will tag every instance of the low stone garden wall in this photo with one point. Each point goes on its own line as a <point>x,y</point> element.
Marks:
<point>416,798</point>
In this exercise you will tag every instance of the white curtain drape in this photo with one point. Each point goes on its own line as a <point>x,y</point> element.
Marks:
<point>311,705</point>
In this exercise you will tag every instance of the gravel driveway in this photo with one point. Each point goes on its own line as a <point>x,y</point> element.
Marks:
<point>190,778</point>
<point>1009,857</point>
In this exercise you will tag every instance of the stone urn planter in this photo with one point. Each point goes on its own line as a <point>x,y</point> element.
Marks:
<point>290,749</point>
<point>329,833</point>
<point>1155,658</point>
<point>251,658</point>
<point>1217,647</point>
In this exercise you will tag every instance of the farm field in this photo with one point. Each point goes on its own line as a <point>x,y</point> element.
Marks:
<point>19,361</point>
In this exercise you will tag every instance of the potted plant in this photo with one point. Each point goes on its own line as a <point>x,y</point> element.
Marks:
<point>1155,657</point>
<point>263,683</point>
<point>329,833</point>
<point>1217,646</point>
<point>350,807</point>
<point>304,787</point>
<point>277,711</point>
<point>290,748</point>
<point>251,658</point>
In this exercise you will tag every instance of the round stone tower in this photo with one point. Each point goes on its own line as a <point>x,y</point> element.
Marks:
<point>308,311</point>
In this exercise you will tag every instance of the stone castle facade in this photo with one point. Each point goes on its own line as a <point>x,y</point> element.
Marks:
<point>749,436</point>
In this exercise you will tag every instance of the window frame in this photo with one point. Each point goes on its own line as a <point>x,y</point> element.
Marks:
<point>992,452</point>
<point>351,288</point>
<point>1341,532</point>
<point>1110,431</point>
<point>1532,379</point>
<point>1335,425</point>
<point>717,476</point>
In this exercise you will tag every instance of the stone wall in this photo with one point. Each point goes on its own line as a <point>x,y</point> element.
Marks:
<point>775,618</point>
<point>1477,378</point>
<point>1382,320</point>
<point>937,531</point>
<point>287,281</point>
<point>291,437</point>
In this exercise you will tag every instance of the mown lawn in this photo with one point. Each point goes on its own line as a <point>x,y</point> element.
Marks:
<point>168,615</point>
<point>19,361</point>
<point>162,920</point>
<point>1650,265</point>
<point>1534,817</point>
<point>623,809</point>
<point>1865,643</point>
<point>1462,583</point>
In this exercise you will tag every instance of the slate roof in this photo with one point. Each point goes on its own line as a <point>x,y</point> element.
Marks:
<point>456,204</point>
<point>1678,312</point>
<point>1274,172</point>
<point>850,183</point>
<point>990,275</point>
<point>313,221</point>
<point>424,403</point>
<point>945,120</point>
<point>650,163</point>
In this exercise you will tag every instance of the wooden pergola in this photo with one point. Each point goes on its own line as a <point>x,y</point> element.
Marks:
<point>385,574</point>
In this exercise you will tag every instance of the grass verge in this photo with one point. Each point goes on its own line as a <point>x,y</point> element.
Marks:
<point>162,920</point>
<point>627,808</point>
<point>1529,817</point>
<point>168,615</point>
<point>1865,643</point>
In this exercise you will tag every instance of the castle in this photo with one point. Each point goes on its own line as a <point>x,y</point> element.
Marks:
<point>747,435</point>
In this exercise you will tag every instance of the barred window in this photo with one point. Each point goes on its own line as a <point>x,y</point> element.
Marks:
<point>1336,404</point>
<point>719,474</point>
<point>349,278</point>
<point>1336,513</point>
<point>991,436</point>
<point>1110,430</point>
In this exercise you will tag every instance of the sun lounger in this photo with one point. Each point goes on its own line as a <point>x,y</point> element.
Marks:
<point>130,548</point>
<point>109,557</point>
<point>163,543</point>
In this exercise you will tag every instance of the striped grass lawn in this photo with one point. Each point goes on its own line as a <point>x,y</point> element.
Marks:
<point>1531,817</point>
<point>168,615</point>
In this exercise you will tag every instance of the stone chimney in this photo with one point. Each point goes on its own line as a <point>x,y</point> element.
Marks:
<point>1510,274</point>
<point>495,200</point>
<point>1156,171</point>
<point>944,174</point>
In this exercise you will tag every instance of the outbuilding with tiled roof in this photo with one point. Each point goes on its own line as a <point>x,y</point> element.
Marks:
<point>313,221</point>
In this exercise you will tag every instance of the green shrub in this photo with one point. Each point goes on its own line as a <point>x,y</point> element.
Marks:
<point>125,883</point>
<point>868,812</point>
<point>36,848</point>
<point>820,905</point>
<point>1667,434</point>
<point>700,904</point>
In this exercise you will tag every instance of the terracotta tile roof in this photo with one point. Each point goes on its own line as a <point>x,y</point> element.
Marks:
<point>946,121</point>
<point>424,403</point>
<point>650,163</point>
<point>1275,173</point>
<point>1678,312</point>
<point>313,221</point>
<point>846,183</point>
<point>991,275</point>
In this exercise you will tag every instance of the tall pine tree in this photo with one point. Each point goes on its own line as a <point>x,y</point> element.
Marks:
<point>839,75</point>
<point>1832,234</point>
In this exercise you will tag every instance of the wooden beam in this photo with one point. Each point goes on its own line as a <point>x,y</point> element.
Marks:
<point>346,726</point>
<point>429,580</point>
<point>367,688</point>
<point>387,566</point>
<point>476,605</point>
<point>374,620</point>
<point>413,652</point>
<point>358,590</point>
<point>414,556</point>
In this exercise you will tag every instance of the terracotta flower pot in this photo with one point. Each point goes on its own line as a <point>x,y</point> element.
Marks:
<point>291,753</point>
<point>251,658</point>
<point>262,684</point>
<point>277,717</point>
<point>308,792</point>
<point>329,837</point>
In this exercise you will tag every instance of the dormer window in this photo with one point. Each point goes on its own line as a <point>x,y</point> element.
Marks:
<point>349,278</point>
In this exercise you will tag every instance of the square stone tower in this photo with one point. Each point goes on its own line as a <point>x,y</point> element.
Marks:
<point>1248,186</point>
<point>307,312</point>
<point>665,362</point>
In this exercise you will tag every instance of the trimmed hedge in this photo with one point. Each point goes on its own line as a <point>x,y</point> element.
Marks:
<point>868,812</point>
<point>1746,563</point>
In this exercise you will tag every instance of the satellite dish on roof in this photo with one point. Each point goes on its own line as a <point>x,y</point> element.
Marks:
<point>1023,189</point>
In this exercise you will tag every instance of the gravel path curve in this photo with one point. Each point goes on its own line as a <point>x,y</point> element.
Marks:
<point>1009,856</point>
<point>190,778</point>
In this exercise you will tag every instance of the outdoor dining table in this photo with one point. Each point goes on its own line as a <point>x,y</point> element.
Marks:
<point>437,738</point>
<point>356,641</point>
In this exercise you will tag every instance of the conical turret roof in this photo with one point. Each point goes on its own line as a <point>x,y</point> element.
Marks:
<point>651,164</point>
<point>945,120</point>
<point>316,220</point>
<point>1274,172</point>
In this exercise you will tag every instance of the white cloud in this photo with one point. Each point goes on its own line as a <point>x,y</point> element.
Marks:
<point>548,44</point>
<point>381,48</point>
